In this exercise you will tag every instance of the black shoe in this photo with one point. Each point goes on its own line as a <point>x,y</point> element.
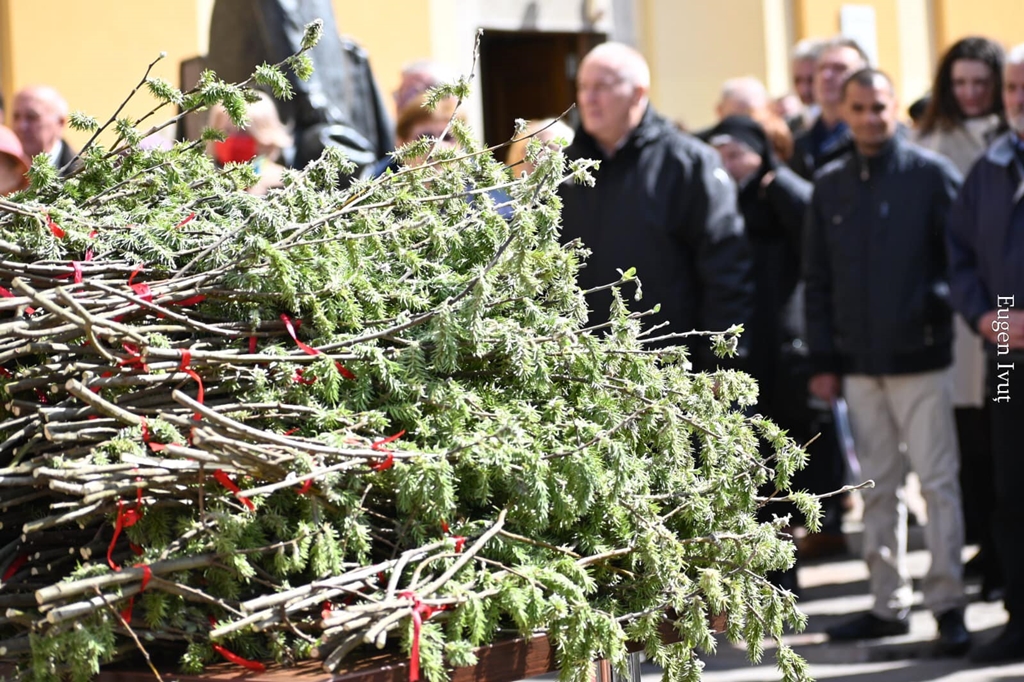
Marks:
<point>1008,646</point>
<point>868,626</point>
<point>954,640</point>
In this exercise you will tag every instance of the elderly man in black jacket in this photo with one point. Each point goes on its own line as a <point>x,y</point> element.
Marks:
<point>986,242</point>
<point>878,314</point>
<point>662,203</point>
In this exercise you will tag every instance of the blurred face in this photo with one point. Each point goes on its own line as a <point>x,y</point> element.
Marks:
<point>36,122</point>
<point>803,80</point>
<point>787,106</point>
<point>606,101</point>
<point>831,70</point>
<point>740,161</point>
<point>871,114</point>
<point>433,129</point>
<point>1013,96</point>
<point>11,177</point>
<point>973,87</point>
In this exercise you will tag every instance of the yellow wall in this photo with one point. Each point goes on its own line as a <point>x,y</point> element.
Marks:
<point>1001,20</point>
<point>94,52</point>
<point>693,46</point>
<point>393,32</point>
<point>821,18</point>
<point>906,45</point>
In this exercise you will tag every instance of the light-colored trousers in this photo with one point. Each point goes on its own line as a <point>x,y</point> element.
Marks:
<point>915,409</point>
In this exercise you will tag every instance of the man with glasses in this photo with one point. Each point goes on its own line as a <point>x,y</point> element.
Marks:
<point>662,203</point>
<point>828,138</point>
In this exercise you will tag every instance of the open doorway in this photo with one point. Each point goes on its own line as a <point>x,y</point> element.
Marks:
<point>529,75</point>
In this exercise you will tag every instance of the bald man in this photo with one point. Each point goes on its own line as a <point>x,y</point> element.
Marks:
<point>39,116</point>
<point>662,203</point>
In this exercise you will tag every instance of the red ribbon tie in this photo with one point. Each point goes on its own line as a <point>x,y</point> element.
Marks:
<point>186,221</point>
<point>309,350</point>
<point>15,566</point>
<point>420,612</point>
<point>55,229</point>
<point>226,481</point>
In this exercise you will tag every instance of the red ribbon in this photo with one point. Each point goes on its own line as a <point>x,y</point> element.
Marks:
<point>15,565</point>
<point>6,373</point>
<point>142,291</point>
<point>147,575</point>
<point>252,345</point>
<point>226,481</point>
<point>460,541</point>
<point>88,252</point>
<point>309,350</point>
<point>384,464</point>
<point>388,461</point>
<point>93,233</point>
<point>186,359</point>
<point>135,357</point>
<point>325,612</point>
<point>186,221</point>
<point>55,229</point>
<point>420,612</point>
<point>136,271</point>
<point>198,380</point>
<point>300,378</point>
<point>125,519</point>
<point>76,270</point>
<point>254,666</point>
<point>7,294</point>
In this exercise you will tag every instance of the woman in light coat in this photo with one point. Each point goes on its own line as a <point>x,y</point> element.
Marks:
<point>965,114</point>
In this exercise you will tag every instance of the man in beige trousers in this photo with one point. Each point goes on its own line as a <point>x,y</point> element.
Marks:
<point>877,315</point>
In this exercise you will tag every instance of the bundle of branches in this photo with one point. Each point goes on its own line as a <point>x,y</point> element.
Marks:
<point>267,429</point>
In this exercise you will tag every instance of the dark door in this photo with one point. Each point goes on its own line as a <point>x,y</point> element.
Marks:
<point>529,75</point>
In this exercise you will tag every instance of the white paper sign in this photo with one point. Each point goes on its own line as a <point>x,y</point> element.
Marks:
<point>858,22</point>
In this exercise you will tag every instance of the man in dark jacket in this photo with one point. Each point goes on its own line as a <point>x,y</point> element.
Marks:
<point>986,246</point>
<point>828,138</point>
<point>662,204</point>
<point>875,267</point>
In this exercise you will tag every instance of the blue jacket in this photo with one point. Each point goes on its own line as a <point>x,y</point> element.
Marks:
<point>986,233</point>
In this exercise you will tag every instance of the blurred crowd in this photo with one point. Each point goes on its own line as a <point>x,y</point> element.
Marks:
<point>874,265</point>
<point>873,259</point>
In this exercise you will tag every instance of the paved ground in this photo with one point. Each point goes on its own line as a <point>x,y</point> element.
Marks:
<point>831,591</point>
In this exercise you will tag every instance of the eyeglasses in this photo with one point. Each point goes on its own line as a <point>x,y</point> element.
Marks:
<point>599,87</point>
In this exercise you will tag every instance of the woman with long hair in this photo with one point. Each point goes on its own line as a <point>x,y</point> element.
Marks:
<point>966,107</point>
<point>965,113</point>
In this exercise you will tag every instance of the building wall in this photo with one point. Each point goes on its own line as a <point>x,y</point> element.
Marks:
<point>94,52</point>
<point>99,49</point>
<point>1001,20</point>
<point>393,32</point>
<point>694,45</point>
